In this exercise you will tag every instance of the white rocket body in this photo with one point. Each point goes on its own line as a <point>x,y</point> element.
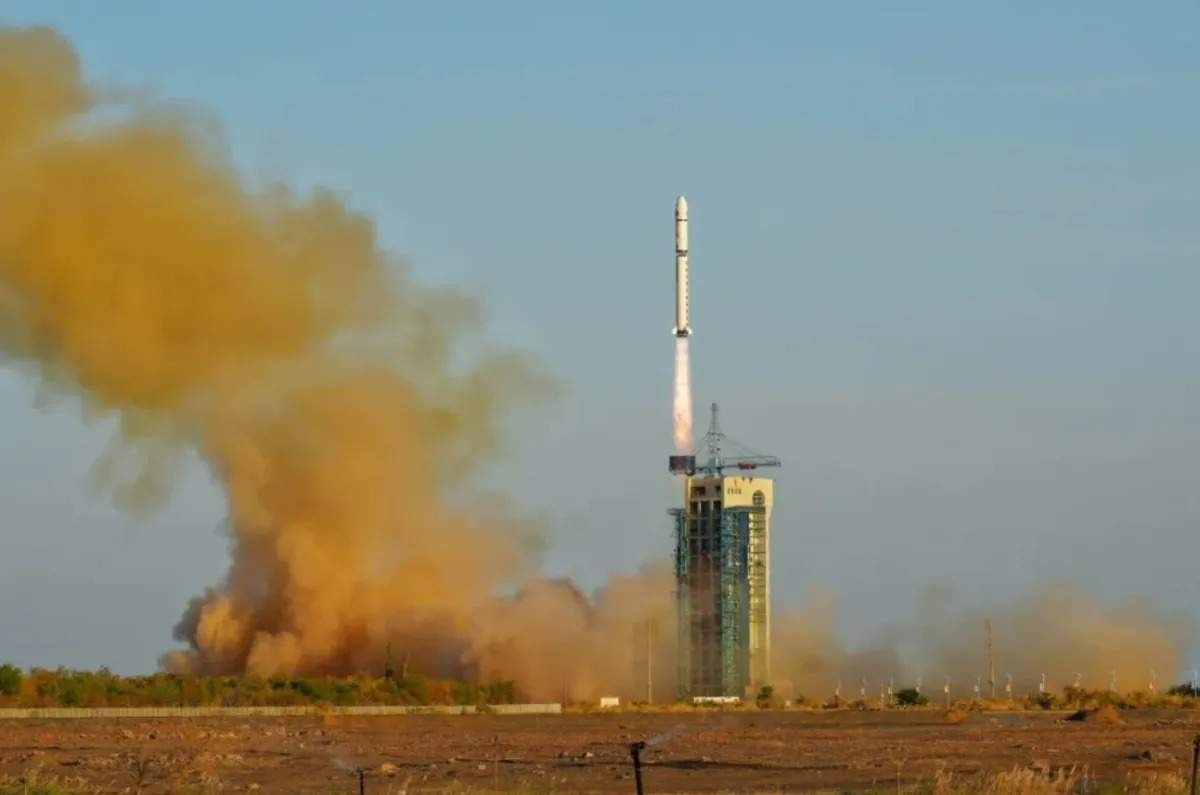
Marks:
<point>683,326</point>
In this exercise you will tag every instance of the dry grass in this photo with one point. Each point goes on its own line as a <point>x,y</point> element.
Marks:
<point>1018,781</point>
<point>1156,784</point>
<point>1028,781</point>
<point>1106,715</point>
<point>1001,705</point>
<point>957,716</point>
<point>33,782</point>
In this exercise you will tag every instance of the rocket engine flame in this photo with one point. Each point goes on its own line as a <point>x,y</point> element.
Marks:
<point>682,407</point>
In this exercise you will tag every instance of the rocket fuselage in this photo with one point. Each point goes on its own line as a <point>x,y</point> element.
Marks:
<point>683,327</point>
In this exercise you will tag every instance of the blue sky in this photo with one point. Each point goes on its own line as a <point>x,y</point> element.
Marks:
<point>944,265</point>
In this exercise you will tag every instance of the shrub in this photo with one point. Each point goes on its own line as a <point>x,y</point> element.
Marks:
<point>765,696</point>
<point>1041,701</point>
<point>10,680</point>
<point>70,694</point>
<point>417,688</point>
<point>500,692</point>
<point>162,692</point>
<point>911,697</point>
<point>345,693</point>
<point>307,688</point>
<point>467,693</point>
<point>389,668</point>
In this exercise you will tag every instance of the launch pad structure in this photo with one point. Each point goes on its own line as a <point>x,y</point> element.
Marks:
<point>722,536</point>
<point>723,572</point>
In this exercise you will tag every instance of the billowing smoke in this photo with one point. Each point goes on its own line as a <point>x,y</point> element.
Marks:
<point>809,657</point>
<point>328,393</point>
<point>682,398</point>
<point>620,642</point>
<point>1060,630</point>
<point>331,397</point>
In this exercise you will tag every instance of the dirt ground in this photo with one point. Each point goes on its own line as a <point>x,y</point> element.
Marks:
<point>689,752</point>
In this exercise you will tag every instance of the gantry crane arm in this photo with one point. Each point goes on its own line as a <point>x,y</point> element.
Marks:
<point>719,458</point>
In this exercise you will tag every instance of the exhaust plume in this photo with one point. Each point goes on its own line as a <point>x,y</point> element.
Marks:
<point>682,399</point>
<point>1059,629</point>
<point>324,388</point>
<point>616,642</point>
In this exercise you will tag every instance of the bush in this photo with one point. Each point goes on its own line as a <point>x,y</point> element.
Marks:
<point>1041,701</point>
<point>501,692</point>
<point>163,692</point>
<point>308,689</point>
<point>765,697</point>
<point>10,680</point>
<point>910,697</point>
<point>417,688</point>
<point>70,694</point>
<point>345,693</point>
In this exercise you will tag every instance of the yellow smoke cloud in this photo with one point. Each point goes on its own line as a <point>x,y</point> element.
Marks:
<point>326,391</point>
<point>1059,629</point>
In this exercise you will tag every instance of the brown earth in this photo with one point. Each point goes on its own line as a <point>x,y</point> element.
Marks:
<point>715,751</point>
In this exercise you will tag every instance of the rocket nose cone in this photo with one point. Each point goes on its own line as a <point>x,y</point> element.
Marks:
<point>681,207</point>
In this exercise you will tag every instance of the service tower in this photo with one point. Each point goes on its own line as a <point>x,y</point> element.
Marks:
<point>723,571</point>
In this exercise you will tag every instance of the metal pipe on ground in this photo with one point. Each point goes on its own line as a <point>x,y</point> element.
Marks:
<point>635,750</point>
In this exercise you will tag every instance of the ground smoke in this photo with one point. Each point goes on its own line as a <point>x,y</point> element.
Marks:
<point>1059,629</point>
<point>326,391</point>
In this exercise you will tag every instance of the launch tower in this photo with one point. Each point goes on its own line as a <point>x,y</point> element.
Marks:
<point>722,571</point>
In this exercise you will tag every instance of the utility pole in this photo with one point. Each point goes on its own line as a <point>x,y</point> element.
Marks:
<point>991,659</point>
<point>650,661</point>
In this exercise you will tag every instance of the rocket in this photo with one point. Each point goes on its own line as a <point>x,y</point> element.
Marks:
<point>684,461</point>
<point>683,326</point>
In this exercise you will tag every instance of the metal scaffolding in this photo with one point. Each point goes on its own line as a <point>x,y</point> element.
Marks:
<point>722,573</point>
<point>734,600</point>
<point>720,570</point>
<point>683,612</point>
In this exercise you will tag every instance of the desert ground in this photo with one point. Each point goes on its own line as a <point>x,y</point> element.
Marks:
<point>742,751</point>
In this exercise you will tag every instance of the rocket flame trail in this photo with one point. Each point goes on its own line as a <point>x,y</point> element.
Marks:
<point>683,397</point>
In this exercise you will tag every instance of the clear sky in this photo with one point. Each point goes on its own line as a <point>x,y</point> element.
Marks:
<point>945,256</point>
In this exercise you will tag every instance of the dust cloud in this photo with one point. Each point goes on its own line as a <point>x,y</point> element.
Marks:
<point>333,399</point>
<point>330,395</point>
<point>1058,629</point>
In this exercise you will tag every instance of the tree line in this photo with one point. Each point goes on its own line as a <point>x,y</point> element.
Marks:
<point>63,687</point>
